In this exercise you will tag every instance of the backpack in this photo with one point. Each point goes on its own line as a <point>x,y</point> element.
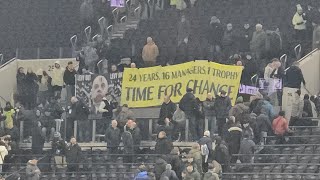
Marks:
<point>204,150</point>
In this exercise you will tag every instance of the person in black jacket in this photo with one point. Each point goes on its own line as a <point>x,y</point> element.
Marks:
<point>31,89</point>
<point>112,137</point>
<point>233,140</point>
<point>222,107</point>
<point>79,113</point>
<point>107,108</point>
<point>127,141</point>
<point>215,34</point>
<point>206,140</point>
<point>163,145</point>
<point>263,125</point>
<point>221,154</point>
<point>69,80</point>
<point>189,106</point>
<point>73,155</point>
<point>38,138</point>
<point>167,109</point>
<point>294,77</point>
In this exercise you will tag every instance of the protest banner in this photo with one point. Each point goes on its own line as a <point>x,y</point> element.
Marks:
<point>146,87</point>
<point>91,88</point>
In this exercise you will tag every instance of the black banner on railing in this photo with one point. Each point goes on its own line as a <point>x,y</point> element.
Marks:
<point>92,88</point>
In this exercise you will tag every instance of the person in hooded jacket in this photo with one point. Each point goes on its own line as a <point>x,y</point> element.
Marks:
<point>221,154</point>
<point>57,79</point>
<point>32,170</point>
<point>32,88</point>
<point>59,150</point>
<point>179,120</point>
<point>166,110</point>
<point>258,43</point>
<point>163,145</point>
<point>264,125</point>
<point>159,167</point>
<point>246,147</point>
<point>192,173</point>
<point>127,141</point>
<point>197,157</point>
<point>233,140</point>
<point>189,106</point>
<point>9,113</point>
<point>222,106</point>
<point>171,174</point>
<point>209,113</point>
<point>228,41</point>
<point>176,162</point>
<point>150,53</point>
<point>239,110</point>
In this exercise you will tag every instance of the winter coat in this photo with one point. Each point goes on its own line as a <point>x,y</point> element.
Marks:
<point>206,140</point>
<point>238,111</point>
<point>127,142</point>
<point>258,42</point>
<point>215,34</point>
<point>246,147</point>
<point>159,167</point>
<point>280,125</point>
<point>183,30</point>
<point>208,107</point>
<point>197,158</point>
<point>9,114</point>
<point>123,117</point>
<point>298,22</point>
<point>188,103</point>
<point>31,173</point>
<point>142,176</point>
<point>79,111</point>
<point>228,38</point>
<point>221,154</point>
<point>175,161</point>
<point>58,147</point>
<point>112,137</point>
<point>222,107</point>
<point>55,110</point>
<point>163,146</point>
<point>31,86</point>
<point>136,136</point>
<point>244,40</point>
<point>294,77</point>
<point>21,83</point>
<point>211,176</point>
<point>168,129</point>
<point>57,77</point>
<point>307,108</point>
<point>69,77</point>
<point>234,139</point>
<point>38,138</point>
<point>166,111</point>
<point>170,174</point>
<point>263,123</point>
<point>150,52</point>
<point>195,175</point>
<point>3,153</point>
<point>269,109</point>
<point>73,154</point>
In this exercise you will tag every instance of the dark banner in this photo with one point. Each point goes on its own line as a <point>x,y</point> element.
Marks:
<point>92,88</point>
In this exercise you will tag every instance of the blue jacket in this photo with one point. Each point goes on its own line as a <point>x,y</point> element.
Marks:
<point>142,176</point>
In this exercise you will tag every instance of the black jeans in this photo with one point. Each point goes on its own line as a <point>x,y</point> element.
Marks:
<point>190,115</point>
<point>220,123</point>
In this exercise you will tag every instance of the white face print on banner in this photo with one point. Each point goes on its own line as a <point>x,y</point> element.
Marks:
<point>99,89</point>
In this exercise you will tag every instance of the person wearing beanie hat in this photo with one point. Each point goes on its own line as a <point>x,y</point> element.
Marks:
<point>222,106</point>
<point>57,79</point>
<point>206,149</point>
<point>239,110</point>
<point>299,22</point>
<point>169,173</point>
<point>58,150</point>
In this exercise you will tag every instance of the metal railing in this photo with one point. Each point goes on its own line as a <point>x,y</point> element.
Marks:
<point>297,51</point>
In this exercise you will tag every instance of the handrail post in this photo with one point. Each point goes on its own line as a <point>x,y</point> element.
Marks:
<point>87,32</point>
<point>150,128</point>
<point>94,123</point>
<point>187,130</point>
<point>297,51</point>
<point>21,129</point>
<point>283,60</point>
<point>75,126</point>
